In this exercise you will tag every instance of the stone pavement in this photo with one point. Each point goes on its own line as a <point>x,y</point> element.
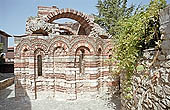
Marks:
<point>9,102</point>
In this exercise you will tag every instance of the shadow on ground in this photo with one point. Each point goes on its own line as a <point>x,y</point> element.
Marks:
<point>9,102</point>
<point>114,102</point>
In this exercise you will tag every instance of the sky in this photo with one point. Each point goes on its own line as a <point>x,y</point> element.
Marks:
<point>14,13</point>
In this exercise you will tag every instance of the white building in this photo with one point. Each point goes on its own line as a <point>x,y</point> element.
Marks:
<point>4,39</point>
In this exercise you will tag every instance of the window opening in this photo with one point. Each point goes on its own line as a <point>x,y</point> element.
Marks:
<point>39,65</point>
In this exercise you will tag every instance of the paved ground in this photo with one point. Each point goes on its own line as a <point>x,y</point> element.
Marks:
<point>8,102</point>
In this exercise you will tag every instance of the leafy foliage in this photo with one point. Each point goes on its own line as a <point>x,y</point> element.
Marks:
<point>136,33</point>
<point>110,11</point>
<point>132,32</point>
<point>140,68</point>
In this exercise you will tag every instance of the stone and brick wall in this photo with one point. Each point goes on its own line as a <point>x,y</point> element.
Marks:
<point>73,66</point>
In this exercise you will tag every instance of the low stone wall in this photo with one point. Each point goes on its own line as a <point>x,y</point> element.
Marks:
<point>6,82</point>
<point>151,88</point>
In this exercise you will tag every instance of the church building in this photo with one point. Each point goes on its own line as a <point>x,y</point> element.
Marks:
<point>65,61</point>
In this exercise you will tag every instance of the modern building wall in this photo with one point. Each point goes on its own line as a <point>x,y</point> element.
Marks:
<point>4,40</point>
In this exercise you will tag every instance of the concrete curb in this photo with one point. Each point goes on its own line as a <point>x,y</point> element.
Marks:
<point>6,82</point>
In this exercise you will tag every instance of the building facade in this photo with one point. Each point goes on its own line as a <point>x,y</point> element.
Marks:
<point>4,40</point>
<point>63,61</point>
<point>9,57</point>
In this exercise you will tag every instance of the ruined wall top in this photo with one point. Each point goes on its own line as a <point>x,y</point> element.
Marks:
<point>44,11</point>
<point>46,15</point>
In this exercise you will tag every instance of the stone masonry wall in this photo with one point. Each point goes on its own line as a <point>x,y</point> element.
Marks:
<point>73,66</point>
<point>151,88</point>
<point>60,67</point>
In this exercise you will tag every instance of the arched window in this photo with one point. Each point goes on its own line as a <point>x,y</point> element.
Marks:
<point>81,61</point>
<point>39,65</point>
<point>99,51</point>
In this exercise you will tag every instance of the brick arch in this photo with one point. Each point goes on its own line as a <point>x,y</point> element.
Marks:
<point>77,38</point>
<point>39,51</point>
<point>23,42</point>
<point>25,49</point>
<point>59,37</point>
<point>82,18</point>
<point>99,47</point>
<point>34,47</point>
<point>107,48</point>
<point>58,43</point>
<point>100,44</point>
<point>39,43</point>
<point>19,48</point>
<point>68,29</point>
<point>82,47</point>
<point>83,43</point>
<point>63,42</point>
<point>39,40</point>
<point>19,52</point>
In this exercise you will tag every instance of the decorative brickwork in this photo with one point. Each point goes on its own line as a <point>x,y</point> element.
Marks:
<point>66,66</point>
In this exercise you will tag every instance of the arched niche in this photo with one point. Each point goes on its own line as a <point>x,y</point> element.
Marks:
<point>80,60</point>
<point>39,60</point>
<point>59,60</point>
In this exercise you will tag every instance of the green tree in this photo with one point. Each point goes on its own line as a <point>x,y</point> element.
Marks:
<point>132,33</point>
<point>110,11</point>
<point>136,33</point>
